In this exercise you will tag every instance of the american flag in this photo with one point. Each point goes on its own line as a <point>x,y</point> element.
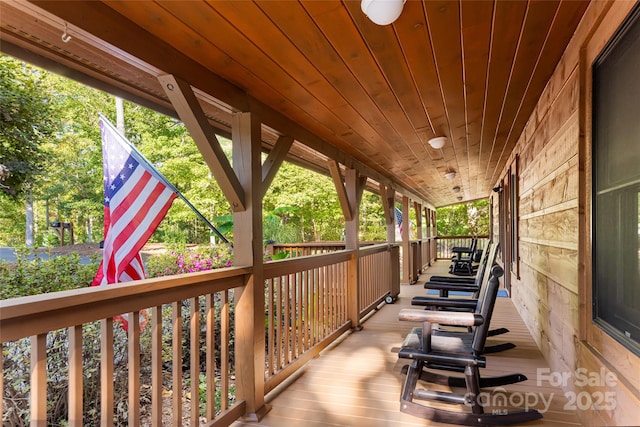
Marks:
<point>136,199</point>
<point>399,219</point>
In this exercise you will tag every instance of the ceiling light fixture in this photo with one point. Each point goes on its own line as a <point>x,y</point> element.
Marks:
<point>456,189</point>
<point>382,12</point>
<point>437,142</point>
<point>459,198</point>
<point>450,174</point>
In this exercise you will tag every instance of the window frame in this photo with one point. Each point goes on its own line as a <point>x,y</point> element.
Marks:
<point>600,336</point>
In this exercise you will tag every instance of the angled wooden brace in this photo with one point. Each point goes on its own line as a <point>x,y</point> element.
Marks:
<point>274,161</point>
<point>338,180</point>
<point>186,105</point>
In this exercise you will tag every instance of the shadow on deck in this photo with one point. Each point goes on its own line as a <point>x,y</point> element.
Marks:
<point>357,381</point>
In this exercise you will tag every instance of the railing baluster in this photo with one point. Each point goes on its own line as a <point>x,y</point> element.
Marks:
<point>133,349</point>
<point>287,320</point>
<point>39,380</point>
<point>156,366</point>
<point>1,379</point>
<point>194,352</point>
<point>75,376</point>
<point>224,351</point>
<point>294,315</point>
<point>176,371</point>
<point>106,372</point>
<point>279,342</point>
<point>270,303</point>
<point>211,356</point>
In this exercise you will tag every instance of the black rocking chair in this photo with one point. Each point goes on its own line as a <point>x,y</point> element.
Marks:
<point>435,353</point>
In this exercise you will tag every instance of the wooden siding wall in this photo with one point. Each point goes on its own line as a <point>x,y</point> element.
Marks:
<point>552,292</point>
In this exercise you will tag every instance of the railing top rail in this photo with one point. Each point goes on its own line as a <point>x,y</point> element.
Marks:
<point>31,315</point>
<point>320,244</point>
<point>382,247</point>
<point>470,236</point>
<point>308,262</point>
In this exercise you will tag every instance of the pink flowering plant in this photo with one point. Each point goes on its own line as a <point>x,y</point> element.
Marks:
<point>189,260</point>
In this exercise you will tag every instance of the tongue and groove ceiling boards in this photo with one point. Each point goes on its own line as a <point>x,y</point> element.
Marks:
<point>320,71</point>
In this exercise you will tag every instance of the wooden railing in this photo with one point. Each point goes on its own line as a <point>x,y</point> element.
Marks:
<point>306,310</point>
<point>379,275</point>
<point>294,250</point>
<point>309,302</point>
<point>445,243</point>
<point>194,301</point>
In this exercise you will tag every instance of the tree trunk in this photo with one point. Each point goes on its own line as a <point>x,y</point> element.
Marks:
<point>29,215</point>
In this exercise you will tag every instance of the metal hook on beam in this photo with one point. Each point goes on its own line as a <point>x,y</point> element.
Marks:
<point>65,37</point>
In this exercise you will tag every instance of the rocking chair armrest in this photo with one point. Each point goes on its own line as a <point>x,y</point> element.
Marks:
<point>466,303</point>
<point>462,287</point>
<point>443,317</point>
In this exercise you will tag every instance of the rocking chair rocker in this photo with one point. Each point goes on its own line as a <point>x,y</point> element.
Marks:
<point>432,353</point>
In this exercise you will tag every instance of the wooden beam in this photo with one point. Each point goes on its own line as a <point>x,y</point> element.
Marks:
<point>406,244</point>
<point>274,161</point>
<point>247,251</point>
<point>388,196</point>
<point>340,188</point>
<point>142,48</point>
<point>361,185</point>
<point>155,56</point>
<point>417,207</point>
<point>277,120</point>
<point>353,192</point>
<point>191,114</point>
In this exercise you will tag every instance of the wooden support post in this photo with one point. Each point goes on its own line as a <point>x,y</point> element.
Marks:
<point>247,246</point>
<point>388,196</point>
<point>354,187</point>
<point>417,207</point>
<point>406,244</point>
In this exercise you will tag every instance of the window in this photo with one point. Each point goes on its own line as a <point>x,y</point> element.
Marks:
<point>616,186</point>
<point>513,186</point>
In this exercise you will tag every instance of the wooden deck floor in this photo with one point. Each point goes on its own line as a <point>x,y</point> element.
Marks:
<point>357,382</point>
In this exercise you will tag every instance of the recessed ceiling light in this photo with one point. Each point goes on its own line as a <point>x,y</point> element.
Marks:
<point>450,175</point>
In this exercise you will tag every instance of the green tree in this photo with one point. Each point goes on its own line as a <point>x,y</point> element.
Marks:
<point>464,219</point>
<point>26,123</point>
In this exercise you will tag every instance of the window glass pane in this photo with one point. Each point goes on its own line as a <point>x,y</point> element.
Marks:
<point>616,186</point>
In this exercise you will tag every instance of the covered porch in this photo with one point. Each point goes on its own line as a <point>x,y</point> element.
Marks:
<point>509,85</point>
<point>357,380</point>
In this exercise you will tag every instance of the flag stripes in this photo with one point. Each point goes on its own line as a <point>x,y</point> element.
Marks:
<point>136,199</point>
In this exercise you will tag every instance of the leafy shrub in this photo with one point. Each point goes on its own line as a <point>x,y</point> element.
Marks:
<point>40,276</point>
<point>179,261</point>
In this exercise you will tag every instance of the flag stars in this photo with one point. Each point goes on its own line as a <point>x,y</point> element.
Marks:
<point>123,177</point>
<point>130,165</point>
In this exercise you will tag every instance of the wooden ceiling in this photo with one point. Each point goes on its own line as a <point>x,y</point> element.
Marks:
<point>369,96</point>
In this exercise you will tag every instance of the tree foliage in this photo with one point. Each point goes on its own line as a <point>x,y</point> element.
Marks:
<point>26,123</point>
<point>300,206</point>
<point>464,219</point>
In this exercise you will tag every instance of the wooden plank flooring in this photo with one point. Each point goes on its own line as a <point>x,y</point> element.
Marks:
<point>357,382</point>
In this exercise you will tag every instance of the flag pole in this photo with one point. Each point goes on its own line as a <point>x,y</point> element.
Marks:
<point>167,183</point>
